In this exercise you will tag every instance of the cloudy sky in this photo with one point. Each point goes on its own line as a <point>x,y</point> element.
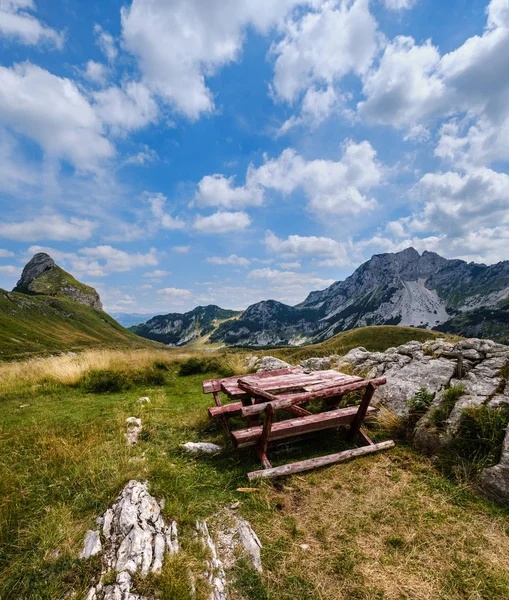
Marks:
<point>181,152</point>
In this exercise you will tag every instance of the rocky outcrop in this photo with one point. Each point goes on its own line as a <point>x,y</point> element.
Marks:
<point>470,373</point>
<point>227,537</point>
<point>134,539</point>
<point>39,264</point>
<point>42,276</point>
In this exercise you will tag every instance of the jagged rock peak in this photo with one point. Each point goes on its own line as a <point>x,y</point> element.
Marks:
<point>43,276</point>
<point>40,263</point>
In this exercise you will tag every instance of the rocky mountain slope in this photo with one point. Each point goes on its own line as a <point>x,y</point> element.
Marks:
<point>50,311</point>
<point>42,276</point>
<point>406,288</point>
<point>176,329</point>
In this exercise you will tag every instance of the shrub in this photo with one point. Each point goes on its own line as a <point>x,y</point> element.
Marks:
<point>440,415</point>
<point>420,402</point>
<point>103,381</point>
<point>199,366</point>
<point>481,434</point>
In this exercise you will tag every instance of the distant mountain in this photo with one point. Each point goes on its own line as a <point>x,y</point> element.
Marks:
<point>51,311</point>
<point>130,319</point>
<point>176,329</point>
<point>405,288</point>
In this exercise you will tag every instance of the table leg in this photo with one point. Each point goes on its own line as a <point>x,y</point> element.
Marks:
<point>361,413</point>
<point>264,439</point>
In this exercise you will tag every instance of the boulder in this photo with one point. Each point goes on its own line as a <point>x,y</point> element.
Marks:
<point>270,363</point>
<point>320,363</point>
<point>403,382</point>
<point>495,480</point>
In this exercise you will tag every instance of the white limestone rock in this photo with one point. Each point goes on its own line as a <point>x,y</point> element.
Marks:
<point>144,400</point>
<point>320,363</point>
<point>270,363</point>
<point>403,382</point>
<point>215,571</point>
<point>92,545</point>
<point>201,448</point>
<point>134,428</point>
<point>135,539</point>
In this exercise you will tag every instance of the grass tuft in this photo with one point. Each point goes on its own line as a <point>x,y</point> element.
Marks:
<point>440,415</point>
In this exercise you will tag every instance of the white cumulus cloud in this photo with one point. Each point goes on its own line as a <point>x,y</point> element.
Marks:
<point>222,222</point>
<point>20,25</point>
<point>48,227</point>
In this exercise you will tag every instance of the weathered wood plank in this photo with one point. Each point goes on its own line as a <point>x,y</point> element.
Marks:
<point>227,410</point>
<point>315,463</point>
<point>230,387</point>
<point>292,427</point>
<point>299,381</point>
<point>211,385</point>
<point>282,402</point>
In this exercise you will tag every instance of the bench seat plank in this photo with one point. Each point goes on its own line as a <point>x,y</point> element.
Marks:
<point>292,427</point>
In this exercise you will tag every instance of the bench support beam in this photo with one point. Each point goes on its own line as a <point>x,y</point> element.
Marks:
<point>315,463</point>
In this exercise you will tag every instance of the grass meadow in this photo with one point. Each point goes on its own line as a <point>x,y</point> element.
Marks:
<point>388,526</point>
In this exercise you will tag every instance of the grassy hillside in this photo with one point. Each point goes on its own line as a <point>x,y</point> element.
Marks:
<point>375,339</point>
<point>31,325</point>
<point>388,526</point>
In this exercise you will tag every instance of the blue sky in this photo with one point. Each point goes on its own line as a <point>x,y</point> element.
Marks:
<point>181,152</point>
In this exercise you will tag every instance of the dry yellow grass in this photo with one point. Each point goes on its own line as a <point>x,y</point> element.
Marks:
<point>69,369</point>
<point>386,527</point>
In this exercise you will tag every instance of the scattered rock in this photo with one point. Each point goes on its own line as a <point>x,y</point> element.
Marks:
<point>270,363</point>
<point>92,545</point>
<point>201,448</point>
<point>134,428</point>
<point>144,400</point>
<point>320,363</point>
<point>135,538</point>
<point>24,405</point>
<point>304,546</point>
<point>251,362</point>
<point>215,571</point>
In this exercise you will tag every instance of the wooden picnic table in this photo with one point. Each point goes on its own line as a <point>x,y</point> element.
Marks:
<point>290,390</point>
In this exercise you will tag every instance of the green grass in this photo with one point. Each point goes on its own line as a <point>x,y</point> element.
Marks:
<point>375,339</point>
<point>440,414</point>
<point>385,526</point>
<point>38,325</point>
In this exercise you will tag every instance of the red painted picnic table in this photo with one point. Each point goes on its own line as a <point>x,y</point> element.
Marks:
<point>290,390</point>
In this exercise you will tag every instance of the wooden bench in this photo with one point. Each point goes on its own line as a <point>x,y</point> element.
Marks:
<point>291,390</point>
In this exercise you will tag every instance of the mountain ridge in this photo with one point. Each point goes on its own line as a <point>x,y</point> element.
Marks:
<point>403,288</point>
